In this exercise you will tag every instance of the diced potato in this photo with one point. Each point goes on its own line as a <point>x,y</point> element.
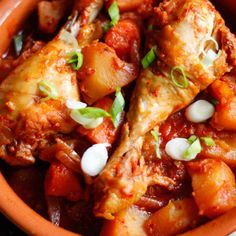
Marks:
<point>224,90</point>
<point>225,116</point>
<point>50,14</point>
<point>224,150</point>
<point>213,185</point>
<point>175,218</point>
<point>128,222</point>
<point>102,72</point>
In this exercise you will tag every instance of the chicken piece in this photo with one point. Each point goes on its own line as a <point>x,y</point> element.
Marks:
<point>25,119</point>
<point>127,176</point>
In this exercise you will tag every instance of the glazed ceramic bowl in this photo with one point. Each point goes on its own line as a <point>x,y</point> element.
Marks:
<point>14,12</point>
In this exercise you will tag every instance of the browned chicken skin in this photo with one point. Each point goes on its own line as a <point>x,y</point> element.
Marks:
<point>186,28</point>
<point>26,121</point>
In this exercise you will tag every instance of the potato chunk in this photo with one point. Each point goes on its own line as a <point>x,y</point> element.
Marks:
<point>102,72</point>
<point>213,185</point>
<point>175,218</point>
<point>128,222</point>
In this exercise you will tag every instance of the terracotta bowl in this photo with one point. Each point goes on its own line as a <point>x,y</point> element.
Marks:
<point>13,12</point>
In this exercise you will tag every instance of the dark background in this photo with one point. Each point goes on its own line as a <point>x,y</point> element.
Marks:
<point>8,229</point>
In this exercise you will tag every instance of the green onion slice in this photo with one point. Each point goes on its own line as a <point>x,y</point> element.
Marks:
<point>193,150</point>
<point>93,112</point>
<point>117,107</point>
<point>192,138</point>
<point>18,43</point>
<point>106,27</point>
<point>154,133</point>
<point>48,90</point>
<point>208,141</point>
<point>150,27</point>
<point>149,58</point>
<point>214,101</point>
<point>88,123</point>
<point>114,13</point>
<point>176,73</point>
<point>76,60</point>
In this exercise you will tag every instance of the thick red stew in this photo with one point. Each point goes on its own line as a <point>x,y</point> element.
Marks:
<point>119,117</point>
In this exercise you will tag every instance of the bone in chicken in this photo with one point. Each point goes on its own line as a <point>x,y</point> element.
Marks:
<point>187,30</point>
<point>25,121</point>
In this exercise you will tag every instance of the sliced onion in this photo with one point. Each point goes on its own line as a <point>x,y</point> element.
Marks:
<point>94,159</point>
<point>67,156</point>
<point>176,148</point>
<point>209,38</point>
<point>74,104</point>
<point>54,209</point>
<point>199,111</point>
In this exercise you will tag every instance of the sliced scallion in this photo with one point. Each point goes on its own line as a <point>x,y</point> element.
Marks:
<point>93,112</point>
<point>154,133</point>
<point>114,13</point>
<point>88,123</point>
<point>149,58</point>
<point>76,60</point>
<point>18,43</point>
<point>48,90</point>
<point>106,27</point>
<point>150,27</point>
<point>192,138</point>
<point>208,141</point>
<point>214,101</point>
<point>193,150</point>
<point>117,107</point>
<point>183,83</point>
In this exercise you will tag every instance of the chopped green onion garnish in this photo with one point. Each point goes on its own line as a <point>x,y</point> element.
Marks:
<point>156,137</point>
<point>93,112</point>
<point>150,27</point>
<point>208,141</point>
<point>76,60</point>
<point>214,101</point>
<point>117,107</point>
<point>88,123</point>
<point>192,138</point>
<point>48,90</point>
<point>193,150</point>
<point>114,13</point>
<point>149,58</point>
<point>18,43</point>
<point>175,77</point>
<point>106,27</point>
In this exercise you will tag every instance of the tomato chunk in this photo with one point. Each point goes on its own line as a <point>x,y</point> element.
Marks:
<point>62,182</point>
<point>123,37</point>
<point>106,132</point>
